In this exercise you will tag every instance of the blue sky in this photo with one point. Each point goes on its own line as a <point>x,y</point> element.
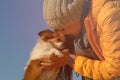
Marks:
<point>20,21</point>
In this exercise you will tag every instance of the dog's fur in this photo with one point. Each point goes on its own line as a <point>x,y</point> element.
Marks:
<point>49,43</point>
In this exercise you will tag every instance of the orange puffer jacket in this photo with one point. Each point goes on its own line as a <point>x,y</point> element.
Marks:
<point>103,31</point>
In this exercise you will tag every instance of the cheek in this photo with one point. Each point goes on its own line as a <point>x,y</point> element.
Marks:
<point>77,29</point>
<point>74,30</point>
<point>71,30</point>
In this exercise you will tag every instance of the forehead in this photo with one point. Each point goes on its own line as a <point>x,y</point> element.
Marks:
<point>53,34</point>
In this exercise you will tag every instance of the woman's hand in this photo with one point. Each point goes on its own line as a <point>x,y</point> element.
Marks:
<point>34,70</point>
<point>54,61</point>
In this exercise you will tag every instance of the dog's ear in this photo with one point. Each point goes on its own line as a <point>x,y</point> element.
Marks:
<point>41,33</point>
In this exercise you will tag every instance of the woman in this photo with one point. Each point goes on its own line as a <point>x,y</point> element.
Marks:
<point>102,27</point>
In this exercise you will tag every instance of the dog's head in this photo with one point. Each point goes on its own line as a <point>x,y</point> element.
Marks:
<point>56,38</point>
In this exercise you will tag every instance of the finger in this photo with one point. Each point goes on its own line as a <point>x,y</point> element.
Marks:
<point>65,51</point>
<point>46,57</point>
<point>52,67</point>
<point>45,60</point>
<point>47,64</point>
<point>49,68</point>
<point>52,56</point>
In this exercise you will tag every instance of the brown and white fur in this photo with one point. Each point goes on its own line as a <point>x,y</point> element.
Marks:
<point>49,43</point>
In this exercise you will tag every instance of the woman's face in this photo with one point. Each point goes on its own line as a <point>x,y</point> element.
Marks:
<point>73,28</point>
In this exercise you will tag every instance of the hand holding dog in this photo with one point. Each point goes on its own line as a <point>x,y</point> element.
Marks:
<point>54,61</point>
<point>34,70</point>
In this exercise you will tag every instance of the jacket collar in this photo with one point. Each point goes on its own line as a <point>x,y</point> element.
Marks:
<point>91,27</point>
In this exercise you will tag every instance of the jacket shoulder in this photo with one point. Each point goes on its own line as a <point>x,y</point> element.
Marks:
<point>111,9</point>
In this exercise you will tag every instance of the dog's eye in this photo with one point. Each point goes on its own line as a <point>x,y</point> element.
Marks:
<point>56,35</point>
<point>49,37</point>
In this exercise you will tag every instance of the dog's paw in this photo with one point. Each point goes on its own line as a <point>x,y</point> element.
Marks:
<point>55,52</point>
<point>59,54</point>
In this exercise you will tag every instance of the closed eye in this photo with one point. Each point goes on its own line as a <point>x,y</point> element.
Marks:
<point>49,37</point>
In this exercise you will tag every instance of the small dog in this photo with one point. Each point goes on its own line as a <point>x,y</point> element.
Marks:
<point>49,43</point>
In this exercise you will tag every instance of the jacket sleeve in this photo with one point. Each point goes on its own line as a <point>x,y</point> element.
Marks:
<point>109,19</point>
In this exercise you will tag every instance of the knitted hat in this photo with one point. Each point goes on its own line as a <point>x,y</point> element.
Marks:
<point>58,13</point>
